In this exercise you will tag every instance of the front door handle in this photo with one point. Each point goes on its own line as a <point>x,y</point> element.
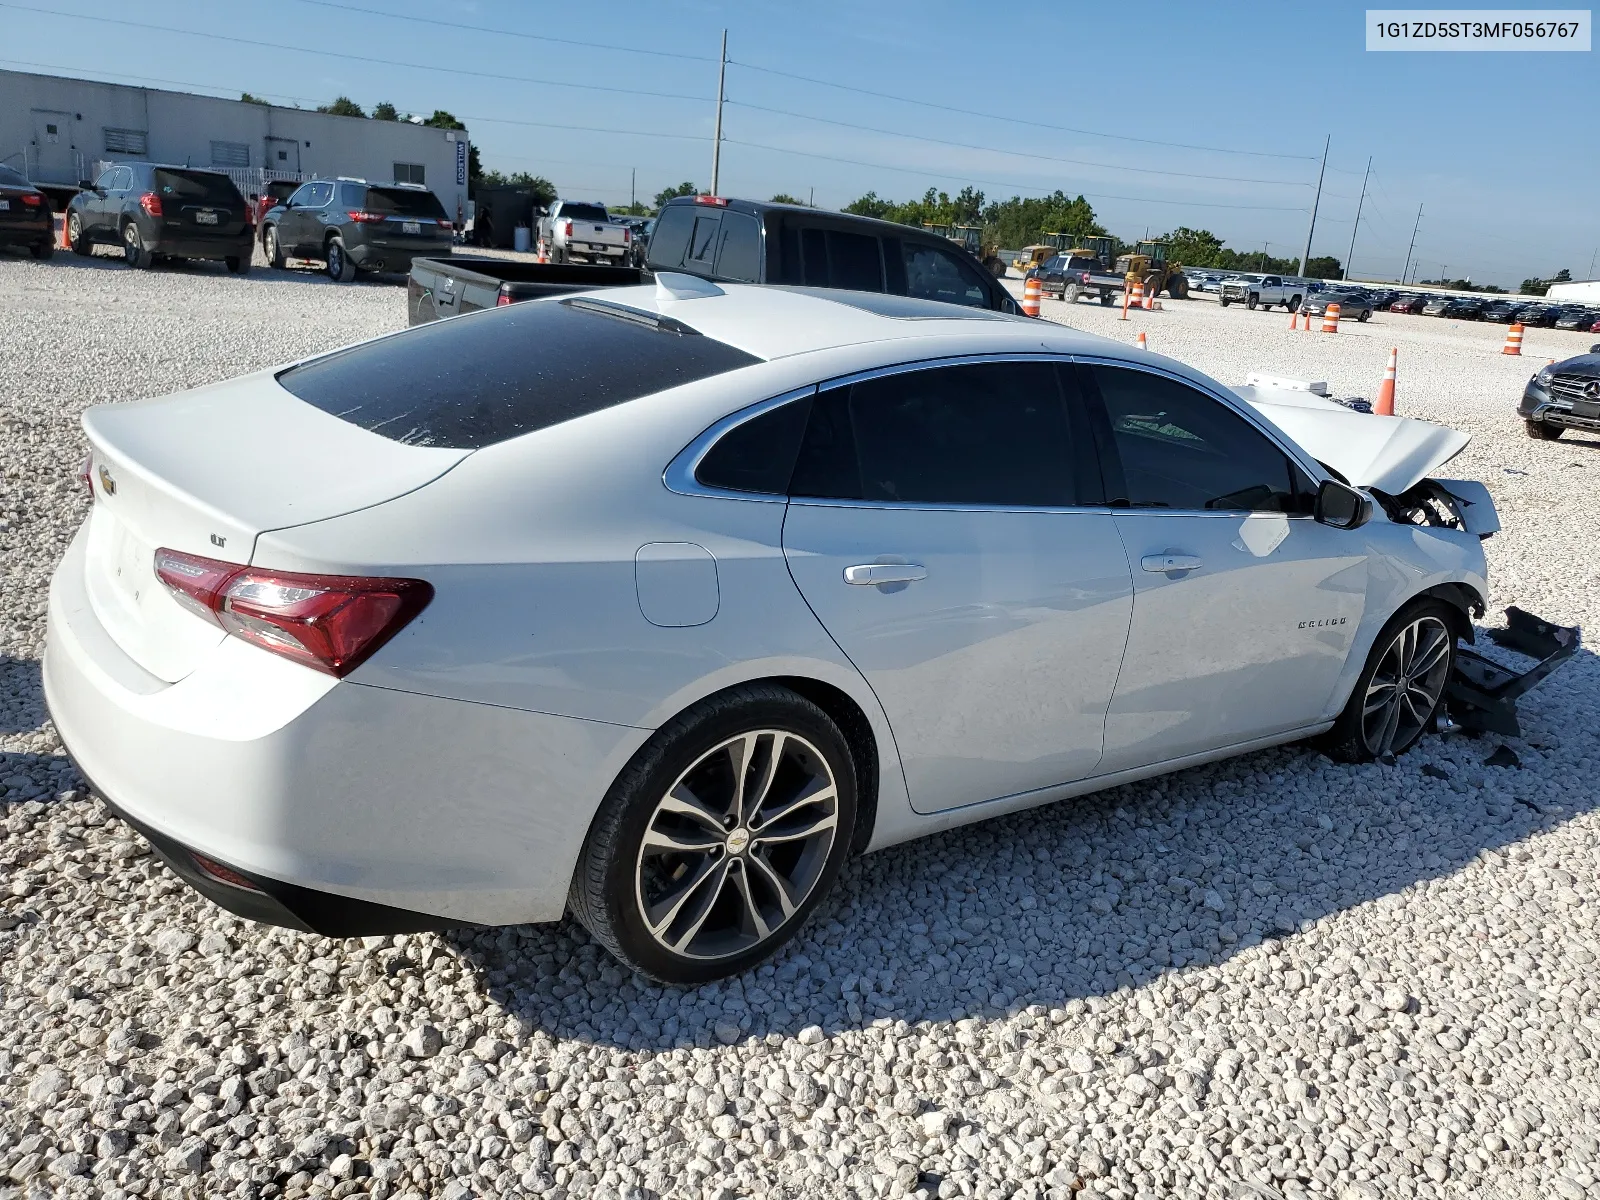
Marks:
<point>878,574</point>
<point>1162,564</point>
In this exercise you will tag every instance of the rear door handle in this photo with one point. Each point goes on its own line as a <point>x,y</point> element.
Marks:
<point>878,574</point>
<point>1162,564</point>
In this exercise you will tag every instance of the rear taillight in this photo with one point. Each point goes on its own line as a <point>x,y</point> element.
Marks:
<point>446,224</point>
<point>502,300</point>
<point>627,236</point>
<point>330,623</point>
<point>86,475</point>
<point>221,873</point>
<point>719,201</point>
<point>566,229</point>
<point>1086,277</point>
<point>365,218</point>
<point>29,200</point>
<point>151,203</point>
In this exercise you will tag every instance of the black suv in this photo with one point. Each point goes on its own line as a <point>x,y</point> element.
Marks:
<point>156,212</point>
<point>748,241</point>
<point>352,225</point>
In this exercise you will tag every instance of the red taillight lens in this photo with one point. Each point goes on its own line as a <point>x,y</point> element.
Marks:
<point>30,200</point>
<point>566,229</point>
<point>86,475</point>
<point>364,218</point>
<point>627,236</point>
<point>502,300</point>
<point>330,623</point>
<point>1086,277</point>
<point>222,873</point>
<point>446,224</point>
<point>151,203</point>
<point>717,200</point>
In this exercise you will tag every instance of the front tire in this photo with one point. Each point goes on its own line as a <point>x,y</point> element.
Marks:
<point>1540,432</point>
<point>1401,689</point>
<point>1252,302</point>
<point>1224,301</point>
<point>1294,304</point>
<point>134,252</point>
<point>1366,314</point>
<point>340,268</point>
<point>719,838</point>
<point>76,238</point>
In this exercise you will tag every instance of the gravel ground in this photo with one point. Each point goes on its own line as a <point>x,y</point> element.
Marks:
<point>1270,977</point>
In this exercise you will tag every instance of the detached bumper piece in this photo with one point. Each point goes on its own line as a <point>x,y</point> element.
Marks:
<point>1482,695</point>
<point>272,902</point>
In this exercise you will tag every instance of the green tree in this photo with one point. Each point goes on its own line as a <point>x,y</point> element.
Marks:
<point>342,106</point>
<point>249,99</point>
<point>1324,267</point>
<point>1194,247</point>
<point>445,120</point>
<point>672,193</point>
<point>384,111</point>
<point>785,198</point>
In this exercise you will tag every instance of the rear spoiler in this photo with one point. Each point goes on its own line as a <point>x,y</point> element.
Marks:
<point>1482,694</point>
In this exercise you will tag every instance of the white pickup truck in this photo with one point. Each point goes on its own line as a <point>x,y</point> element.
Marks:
<point>1264,291</point>
<point>576,231</point>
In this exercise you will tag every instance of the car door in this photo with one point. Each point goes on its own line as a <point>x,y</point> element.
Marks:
<point>92,213</point>
<point>291,223</point>
<point>944,525</point>
<point>1245,608</point>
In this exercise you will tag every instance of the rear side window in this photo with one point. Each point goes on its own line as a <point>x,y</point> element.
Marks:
<point>403,202</point>
<point>196,187</point>
<point>992,434</point>
<point>669,241</point>
<point>10,178</point>
<point>758,455</point>
<point>353,195</point>
<point>488,377</point>
<point>853,261</point>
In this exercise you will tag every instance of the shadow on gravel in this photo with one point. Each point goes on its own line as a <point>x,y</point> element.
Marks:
<point>1086,897</point>
<point>21,695</point>
<point>259,273</point>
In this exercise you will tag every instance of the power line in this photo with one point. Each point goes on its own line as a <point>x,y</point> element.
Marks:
<point>1078,162</point>
<point>385,62</point>
<point>967,112</point>
<point>517,33</point>
<point>927,174</point>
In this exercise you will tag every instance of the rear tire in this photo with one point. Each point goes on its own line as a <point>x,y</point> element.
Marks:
<point>1401,689</point>
<point>685,876</point>
<point>80,244</point>
<point>1178,288</point>
<point>340,268</point>
<point>238,265</point>
<point>1070,293</point>
<point>1366,314</point>
<point>1540,432</point>
<point>271,249</point>
<point>1107,299</point>
<point>42,250</point>
<point>134,252</point>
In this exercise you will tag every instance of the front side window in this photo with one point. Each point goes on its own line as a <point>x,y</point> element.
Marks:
<point>302,195</point>
<point>933,273</point>
<point>1180,449</point>
<point>989,434</point>
<point>107,180</point>
<point>318,195</point>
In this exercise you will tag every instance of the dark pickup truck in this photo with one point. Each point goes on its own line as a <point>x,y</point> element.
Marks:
<point>463,283</point>
<point>735,241</point>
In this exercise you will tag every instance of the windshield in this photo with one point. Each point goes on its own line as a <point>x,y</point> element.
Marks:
<point>197,187</point>
<point>583,212</point>
<point>403,202</point>
<point>10,178</point>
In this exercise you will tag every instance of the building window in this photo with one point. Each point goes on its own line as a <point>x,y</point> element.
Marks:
<point>127,141</point>
<point>408,173</point>
<point>230,154</point>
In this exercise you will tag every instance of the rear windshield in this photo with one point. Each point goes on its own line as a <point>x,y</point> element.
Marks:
<point>490,376</point>
<point>10,178</point>
<point>583,212</point>
<point>197,187</point>
<point>403,202</point>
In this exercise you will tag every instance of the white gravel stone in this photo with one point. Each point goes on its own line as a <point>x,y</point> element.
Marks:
<point>1378,979</point>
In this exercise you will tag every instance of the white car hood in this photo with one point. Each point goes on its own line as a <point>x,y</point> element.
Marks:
<point>1390,454</point>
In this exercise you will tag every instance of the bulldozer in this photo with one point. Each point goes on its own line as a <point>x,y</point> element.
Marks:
<point>1054,243</point>
<point>971,238</point>
<point>1148,264</point>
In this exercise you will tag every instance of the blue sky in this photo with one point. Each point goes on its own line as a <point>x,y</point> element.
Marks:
<point>1499,148</point>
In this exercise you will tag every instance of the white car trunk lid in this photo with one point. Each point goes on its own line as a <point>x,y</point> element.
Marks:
<point>205,472</point>
<point>1390,454</point>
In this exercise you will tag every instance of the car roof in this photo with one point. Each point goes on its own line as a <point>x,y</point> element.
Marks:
<point>777,322</point>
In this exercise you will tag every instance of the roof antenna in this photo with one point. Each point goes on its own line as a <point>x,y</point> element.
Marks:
<point>675,285</point>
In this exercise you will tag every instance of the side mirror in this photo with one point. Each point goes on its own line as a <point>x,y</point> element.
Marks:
<point>1341,507</point>
<point>1595,349</point>
<point>85,186</point>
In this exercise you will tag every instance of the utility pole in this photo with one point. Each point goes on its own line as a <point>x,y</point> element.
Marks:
<point>633,188</point>
<point>1305,259</point>
<point>1592,257</point>
<point>1413,245</point>
<point>812,203</point>
<point>716,145</point>
<point>1351,253</point>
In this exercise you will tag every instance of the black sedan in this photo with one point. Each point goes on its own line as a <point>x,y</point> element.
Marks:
<point>157,212</point>
<point>1461,308</point>
<point>1383,298</point>
<point>1501,311</point>
<point>25,215</point>
<point>1575,316</point>
<point>1539,314</point>
<point>1352,305</point>
<point>1562,396</point>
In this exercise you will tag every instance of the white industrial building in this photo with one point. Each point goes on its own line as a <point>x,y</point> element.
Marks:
<point>56,129</point>
<point>1579,291</point>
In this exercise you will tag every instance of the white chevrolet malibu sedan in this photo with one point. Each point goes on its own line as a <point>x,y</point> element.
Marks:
<point>654,605</point>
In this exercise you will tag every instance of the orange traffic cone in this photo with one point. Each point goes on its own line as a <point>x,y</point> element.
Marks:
<point>1149,300</point>
<point>1132,297</point>
<point>1143,345</point>
<point>63,244</point>
<point>1385,405</point>
<point>1294,320</point>
<point>1330,319</point>
<point>1306,328</point>
<point>1030,298</point>
<point>1513,340</point>
<point>542,257</point>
